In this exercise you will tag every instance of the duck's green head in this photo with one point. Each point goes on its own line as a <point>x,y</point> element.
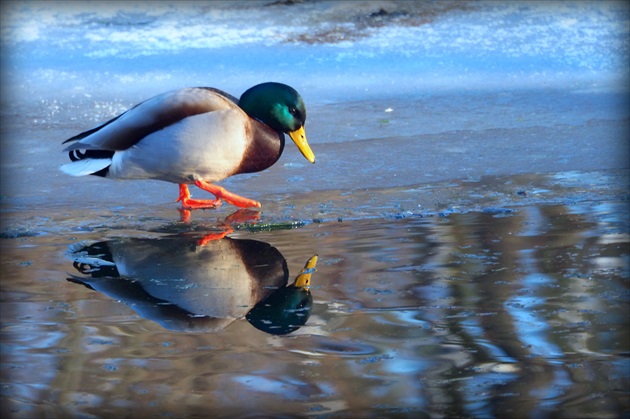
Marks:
<point>282,108</point>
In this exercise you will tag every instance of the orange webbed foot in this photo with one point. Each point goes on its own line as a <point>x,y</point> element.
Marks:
<point>227,196</point>
<point>220,194</point>
<point>189,203</point>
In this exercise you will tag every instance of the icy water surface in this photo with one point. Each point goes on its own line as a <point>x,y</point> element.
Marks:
<point>513,311</point>
<point>460,248</point>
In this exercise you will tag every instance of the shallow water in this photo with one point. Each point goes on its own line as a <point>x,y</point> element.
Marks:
<point>468,209</point>
<point>517,311</point>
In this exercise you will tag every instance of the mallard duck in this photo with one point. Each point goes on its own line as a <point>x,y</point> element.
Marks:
<point>195,136</point>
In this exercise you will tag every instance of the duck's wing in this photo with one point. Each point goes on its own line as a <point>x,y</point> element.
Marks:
<point>150,116</point>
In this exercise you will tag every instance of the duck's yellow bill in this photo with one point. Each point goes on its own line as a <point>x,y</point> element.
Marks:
<point>299,138</point>
<point>303,280</point>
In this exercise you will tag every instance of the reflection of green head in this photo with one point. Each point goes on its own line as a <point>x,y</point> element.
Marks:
<point>288,308</point>
<point>282,312</point>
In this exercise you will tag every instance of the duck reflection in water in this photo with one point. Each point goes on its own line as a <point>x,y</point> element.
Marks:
<point>190,283</point>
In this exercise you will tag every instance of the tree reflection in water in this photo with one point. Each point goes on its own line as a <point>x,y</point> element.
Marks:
<point>519,312</point>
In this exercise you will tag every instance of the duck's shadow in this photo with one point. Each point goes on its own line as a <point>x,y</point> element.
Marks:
<point>196,282</point>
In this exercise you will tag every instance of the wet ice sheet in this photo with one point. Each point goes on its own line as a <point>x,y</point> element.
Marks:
<point>442,44</point>
<point>457,315</point>
<point>359,147</point>
<point>469,207</point>
<point>394,96</point>
<point>492,194</point>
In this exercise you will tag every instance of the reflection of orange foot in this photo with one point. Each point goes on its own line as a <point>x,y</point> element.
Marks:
<point>213,236</point>
<point>184,215</point>
<point>242,216</point>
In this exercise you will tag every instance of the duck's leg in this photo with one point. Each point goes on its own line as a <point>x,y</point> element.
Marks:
<point>222,193</point>
<point>189,203</point>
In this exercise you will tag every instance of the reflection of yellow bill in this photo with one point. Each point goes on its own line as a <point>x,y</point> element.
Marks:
<point>304,278</point>
<point>299,138</point>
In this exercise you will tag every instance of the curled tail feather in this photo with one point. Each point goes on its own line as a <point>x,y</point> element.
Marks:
<point>87,166</point>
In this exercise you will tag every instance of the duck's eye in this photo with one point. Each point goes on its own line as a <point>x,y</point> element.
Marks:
<point>293,111</point>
